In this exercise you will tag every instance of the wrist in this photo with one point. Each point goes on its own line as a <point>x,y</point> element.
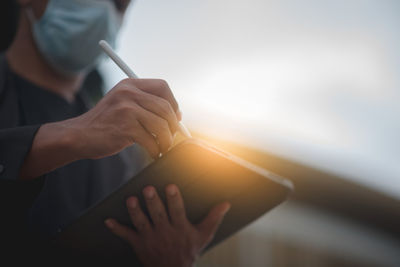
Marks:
<point>71,139</point>
<point>53,146</point>
<point>58,137</point>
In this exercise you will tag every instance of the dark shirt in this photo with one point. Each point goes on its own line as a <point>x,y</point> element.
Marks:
<point>59,197</point>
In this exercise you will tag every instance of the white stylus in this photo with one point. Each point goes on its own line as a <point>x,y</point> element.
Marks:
<point>129,72</point>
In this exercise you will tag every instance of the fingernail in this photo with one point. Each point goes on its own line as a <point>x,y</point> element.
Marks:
<point>171,190</point>
<point>227,208</point>
<point>179,114</point>
<point>132,203</point>
<point>149,193</point>
<point>109,223</point>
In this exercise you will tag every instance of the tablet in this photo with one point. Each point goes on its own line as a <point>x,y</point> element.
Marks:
<point>205,175</point>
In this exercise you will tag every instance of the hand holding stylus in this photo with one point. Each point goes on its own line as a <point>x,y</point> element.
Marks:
<point>129,72</point>
<point>142,111</point>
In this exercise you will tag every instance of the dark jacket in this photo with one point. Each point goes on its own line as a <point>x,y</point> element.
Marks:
<point>17,198</point>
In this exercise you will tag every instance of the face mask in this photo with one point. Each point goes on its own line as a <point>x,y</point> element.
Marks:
<point>68,33</point>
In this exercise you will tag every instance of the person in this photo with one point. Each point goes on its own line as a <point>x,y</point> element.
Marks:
<point>61,154</point>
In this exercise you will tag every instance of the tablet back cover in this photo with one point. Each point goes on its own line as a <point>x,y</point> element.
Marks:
<point>205,177</point>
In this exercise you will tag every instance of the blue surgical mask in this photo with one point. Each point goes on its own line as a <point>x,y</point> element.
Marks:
<point>68,33</point>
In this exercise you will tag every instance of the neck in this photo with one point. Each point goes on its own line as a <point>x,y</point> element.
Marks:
<point>25,59</point>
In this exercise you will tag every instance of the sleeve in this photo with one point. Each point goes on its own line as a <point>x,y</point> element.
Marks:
<point>16,196</point>
<point>15,144</point>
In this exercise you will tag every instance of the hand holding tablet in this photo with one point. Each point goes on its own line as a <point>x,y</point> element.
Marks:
<point>169,238</point>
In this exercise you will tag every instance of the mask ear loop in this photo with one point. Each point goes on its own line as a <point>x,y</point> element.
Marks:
<point>30,15</point>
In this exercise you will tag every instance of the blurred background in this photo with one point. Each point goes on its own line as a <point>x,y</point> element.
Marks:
<point>309,89</point>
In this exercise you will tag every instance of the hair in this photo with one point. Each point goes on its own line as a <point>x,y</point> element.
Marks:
<point>9,17</point>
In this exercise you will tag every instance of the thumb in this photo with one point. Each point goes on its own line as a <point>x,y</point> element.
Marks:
<point>210,224</point>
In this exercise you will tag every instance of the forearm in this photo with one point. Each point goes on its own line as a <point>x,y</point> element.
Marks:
<point>126,115</point>
<point>54,146</point>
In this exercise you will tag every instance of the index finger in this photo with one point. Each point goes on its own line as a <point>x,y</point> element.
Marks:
<point>210,224</point>
<point>161,89</point>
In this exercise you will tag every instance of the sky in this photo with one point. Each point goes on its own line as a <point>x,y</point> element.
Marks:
<point>314,81</point>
